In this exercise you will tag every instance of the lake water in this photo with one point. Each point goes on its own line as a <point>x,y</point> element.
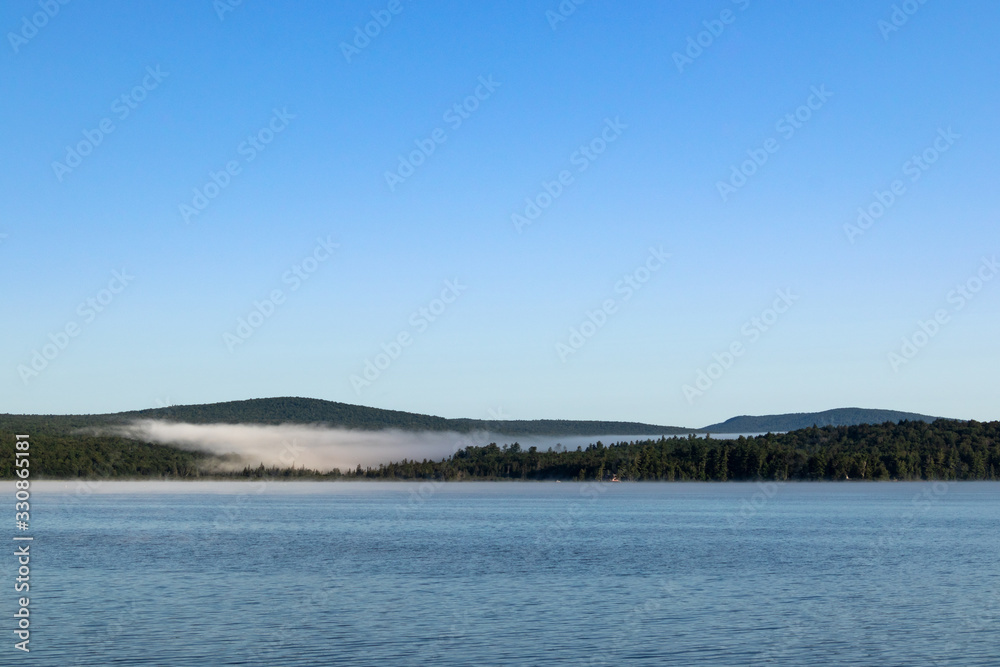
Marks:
<point>357,573</point>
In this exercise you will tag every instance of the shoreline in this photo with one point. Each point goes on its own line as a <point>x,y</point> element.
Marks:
<point>266,486</point>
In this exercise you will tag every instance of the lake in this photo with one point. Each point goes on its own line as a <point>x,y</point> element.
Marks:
<point>508,573</point>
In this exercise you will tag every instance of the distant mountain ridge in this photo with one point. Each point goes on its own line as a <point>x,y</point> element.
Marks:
<point>294,410</point>
<point>796,420</point>
<point>287,410</point>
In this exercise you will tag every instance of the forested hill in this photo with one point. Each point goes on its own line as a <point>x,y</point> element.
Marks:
<point>797,420</point>
<point>315,411</point>
<point>290,410</point>
<point>311,410</point>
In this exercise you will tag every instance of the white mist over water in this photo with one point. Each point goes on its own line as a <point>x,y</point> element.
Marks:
<point>302,445</point>
<point>324,448</point>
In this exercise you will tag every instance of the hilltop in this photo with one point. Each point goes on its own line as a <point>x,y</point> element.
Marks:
<point>797,420</point>
<point>294,410</point>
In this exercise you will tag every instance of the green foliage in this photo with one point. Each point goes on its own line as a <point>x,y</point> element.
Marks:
<point>65,447</point>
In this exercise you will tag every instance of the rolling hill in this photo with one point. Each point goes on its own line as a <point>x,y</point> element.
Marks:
<point>289,410</point>
<point>797,420</point>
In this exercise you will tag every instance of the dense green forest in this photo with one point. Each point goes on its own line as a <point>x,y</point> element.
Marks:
<point>66,447</point>
<point>908,450</point>
<point>796,420</point>
<point>917,450</point>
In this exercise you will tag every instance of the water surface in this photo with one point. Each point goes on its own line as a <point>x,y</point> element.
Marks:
<point>382,573</point>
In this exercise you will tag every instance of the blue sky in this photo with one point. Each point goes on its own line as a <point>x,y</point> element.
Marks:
<point>661,123</point>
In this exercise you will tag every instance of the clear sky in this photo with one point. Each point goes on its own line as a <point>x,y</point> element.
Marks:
<point>672,181</point>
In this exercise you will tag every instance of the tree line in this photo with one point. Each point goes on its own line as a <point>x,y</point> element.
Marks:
<point>907,450</point>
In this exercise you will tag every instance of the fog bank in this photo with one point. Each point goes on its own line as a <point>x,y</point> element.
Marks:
<point>324,448</point>
<point>301,445</point>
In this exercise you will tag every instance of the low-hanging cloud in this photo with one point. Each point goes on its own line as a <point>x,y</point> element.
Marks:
<point>302,445</point>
